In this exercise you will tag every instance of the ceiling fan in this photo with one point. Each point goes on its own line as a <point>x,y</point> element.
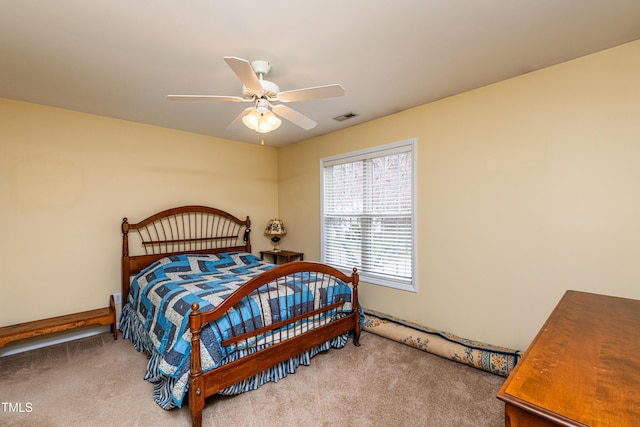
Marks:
<point>263,93</point>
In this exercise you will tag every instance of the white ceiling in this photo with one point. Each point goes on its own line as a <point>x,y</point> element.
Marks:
<point>120,58</point>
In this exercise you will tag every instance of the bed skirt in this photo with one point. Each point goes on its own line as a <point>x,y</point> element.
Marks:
<point>169,391</point>
<point>490,358</point>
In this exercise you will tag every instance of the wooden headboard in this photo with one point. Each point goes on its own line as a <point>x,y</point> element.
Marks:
<point>186,229</point>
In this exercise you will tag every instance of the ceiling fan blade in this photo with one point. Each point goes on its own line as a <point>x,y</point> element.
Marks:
<point>237,122</point>
<point>328,91</point>
<point>245,73</point>
<point>294,117</point>
<point>205,98</point>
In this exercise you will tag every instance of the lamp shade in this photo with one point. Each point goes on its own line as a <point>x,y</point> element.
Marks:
<point>268,122</point>
<point>251,119</point>
<point>275,228</point>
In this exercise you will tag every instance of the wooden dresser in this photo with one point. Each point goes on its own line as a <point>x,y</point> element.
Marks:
<point>583,367</point>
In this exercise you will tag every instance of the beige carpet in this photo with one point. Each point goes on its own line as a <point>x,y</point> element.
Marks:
<point>98,382</point>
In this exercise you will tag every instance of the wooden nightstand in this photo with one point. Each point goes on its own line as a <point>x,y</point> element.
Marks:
<point>288,256</point>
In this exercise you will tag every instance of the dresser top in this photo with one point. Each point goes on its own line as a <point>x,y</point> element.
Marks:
<point>583,367</point>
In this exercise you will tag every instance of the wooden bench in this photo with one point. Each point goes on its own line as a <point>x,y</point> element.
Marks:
<point>100,316</point>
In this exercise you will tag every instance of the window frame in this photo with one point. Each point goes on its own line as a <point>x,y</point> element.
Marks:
<point>408,145</point>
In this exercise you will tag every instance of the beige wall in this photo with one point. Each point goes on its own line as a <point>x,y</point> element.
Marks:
<point>66,181</point>
<point>526,188</point>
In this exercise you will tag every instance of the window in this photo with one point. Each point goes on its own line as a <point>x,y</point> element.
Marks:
<point>368,214</point>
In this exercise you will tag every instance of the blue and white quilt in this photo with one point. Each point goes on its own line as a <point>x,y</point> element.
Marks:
<point>155,318</point>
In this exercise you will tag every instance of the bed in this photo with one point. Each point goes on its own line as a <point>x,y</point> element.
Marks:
<point>213,317</point>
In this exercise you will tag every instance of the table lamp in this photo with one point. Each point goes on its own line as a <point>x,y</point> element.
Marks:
<point>275,229</point>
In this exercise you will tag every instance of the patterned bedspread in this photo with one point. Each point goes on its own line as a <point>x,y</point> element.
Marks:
<point>155,317</point>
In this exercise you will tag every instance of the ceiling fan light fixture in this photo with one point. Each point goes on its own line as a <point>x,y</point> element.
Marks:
<point>261,122</point>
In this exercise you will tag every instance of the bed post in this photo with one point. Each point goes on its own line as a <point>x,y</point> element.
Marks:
<point>126,266</point>
<point>196,381</point>
<point>247,235</point>
<point>356,307</point>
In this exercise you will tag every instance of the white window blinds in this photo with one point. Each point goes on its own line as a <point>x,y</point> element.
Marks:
<point>368,214</point>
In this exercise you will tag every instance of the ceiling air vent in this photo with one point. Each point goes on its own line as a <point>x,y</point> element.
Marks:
<point>344,117</point>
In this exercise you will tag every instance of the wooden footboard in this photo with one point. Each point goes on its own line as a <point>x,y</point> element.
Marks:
<point>270,341</point>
